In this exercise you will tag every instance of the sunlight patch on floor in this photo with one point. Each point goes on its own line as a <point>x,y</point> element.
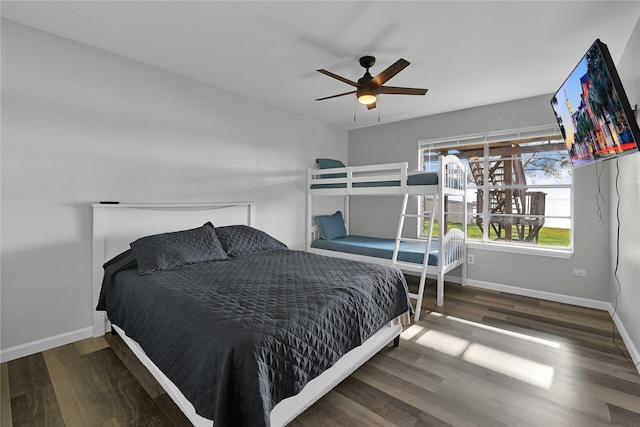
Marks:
<point>411,332</point>
<point>444,343</point>
<point>525,337</point>
<point>516,367</point>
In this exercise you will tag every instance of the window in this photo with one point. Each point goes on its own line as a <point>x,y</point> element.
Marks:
<point>519,187</point>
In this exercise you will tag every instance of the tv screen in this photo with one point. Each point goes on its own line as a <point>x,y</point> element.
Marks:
<point>592,109</point>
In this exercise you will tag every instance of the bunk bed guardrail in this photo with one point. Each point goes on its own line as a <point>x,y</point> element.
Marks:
<point>386,178</point>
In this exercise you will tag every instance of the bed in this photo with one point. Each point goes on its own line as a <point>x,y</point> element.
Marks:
<point>239,329</point>
<point>334,179</point>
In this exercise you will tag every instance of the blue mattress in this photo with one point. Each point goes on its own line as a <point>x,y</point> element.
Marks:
<point>426,178</point>
<point>379,248</point>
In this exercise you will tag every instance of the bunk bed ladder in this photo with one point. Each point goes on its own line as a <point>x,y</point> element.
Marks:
<point>425,261</point>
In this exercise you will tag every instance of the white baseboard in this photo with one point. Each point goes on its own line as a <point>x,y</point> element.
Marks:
<point>633,351</point>
<point>581,302</point>
<point>549,296</point>
<point>33,347</point>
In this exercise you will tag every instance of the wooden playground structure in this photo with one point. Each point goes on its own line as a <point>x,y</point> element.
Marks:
<point>516,214</point>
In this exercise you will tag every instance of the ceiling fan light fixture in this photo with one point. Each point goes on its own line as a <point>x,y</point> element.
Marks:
<point>366,96</point>
<point>366,99</point>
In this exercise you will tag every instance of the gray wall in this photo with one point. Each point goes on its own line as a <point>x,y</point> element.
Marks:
<point>80,125</point>
<point>398,141</point>
<point>628,301</point>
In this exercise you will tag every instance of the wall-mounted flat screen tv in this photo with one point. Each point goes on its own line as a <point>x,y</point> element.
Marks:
<point>593,111</point>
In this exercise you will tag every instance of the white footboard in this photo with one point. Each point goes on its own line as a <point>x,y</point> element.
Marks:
<point>453,249</point>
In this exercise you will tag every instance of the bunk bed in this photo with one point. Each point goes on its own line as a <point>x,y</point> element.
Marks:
<point>329,234</point>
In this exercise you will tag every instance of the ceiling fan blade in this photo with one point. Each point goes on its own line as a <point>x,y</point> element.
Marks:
<point>337,77</point>
<point>384,76</point>
<point>391,90</point>
<point>335,96</point>
<point>371,106</point>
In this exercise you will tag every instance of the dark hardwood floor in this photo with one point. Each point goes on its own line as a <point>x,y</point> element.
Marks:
<point>484,359</point>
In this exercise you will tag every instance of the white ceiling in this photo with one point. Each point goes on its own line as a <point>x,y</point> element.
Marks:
<point>467,53</point>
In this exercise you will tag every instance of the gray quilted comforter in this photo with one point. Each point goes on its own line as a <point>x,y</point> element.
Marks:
<point>239,335</point>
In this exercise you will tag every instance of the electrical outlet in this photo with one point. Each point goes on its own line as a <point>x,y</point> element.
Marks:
<point>579,273</point>
<point>471,259</point>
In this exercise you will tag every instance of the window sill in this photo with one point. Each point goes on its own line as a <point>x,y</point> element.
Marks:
<point>526,250</point>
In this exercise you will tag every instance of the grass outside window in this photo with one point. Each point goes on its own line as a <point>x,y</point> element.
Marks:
<point>548,236</point>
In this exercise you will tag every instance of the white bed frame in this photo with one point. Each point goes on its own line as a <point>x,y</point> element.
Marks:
<point>451,182</point>
<point>117,225</point>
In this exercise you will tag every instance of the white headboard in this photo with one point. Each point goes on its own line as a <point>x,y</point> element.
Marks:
<point>115,226</point>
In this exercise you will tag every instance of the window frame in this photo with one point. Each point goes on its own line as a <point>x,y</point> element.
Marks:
<point>542,133</point>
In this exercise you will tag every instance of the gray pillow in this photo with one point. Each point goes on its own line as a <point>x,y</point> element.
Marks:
<point>168,251</point>
<point>331,164</point>
<point>241,239</point>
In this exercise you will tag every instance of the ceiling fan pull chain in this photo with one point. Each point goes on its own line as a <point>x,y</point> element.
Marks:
<point>354,108</point>
<point>378,105</point>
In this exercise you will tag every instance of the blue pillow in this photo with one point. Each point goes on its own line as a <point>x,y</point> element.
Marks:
<point>331,226</point>
<point>173,250</point>
<point>331,164</point>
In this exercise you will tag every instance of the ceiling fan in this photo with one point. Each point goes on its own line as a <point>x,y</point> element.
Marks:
<point>368,88</point>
